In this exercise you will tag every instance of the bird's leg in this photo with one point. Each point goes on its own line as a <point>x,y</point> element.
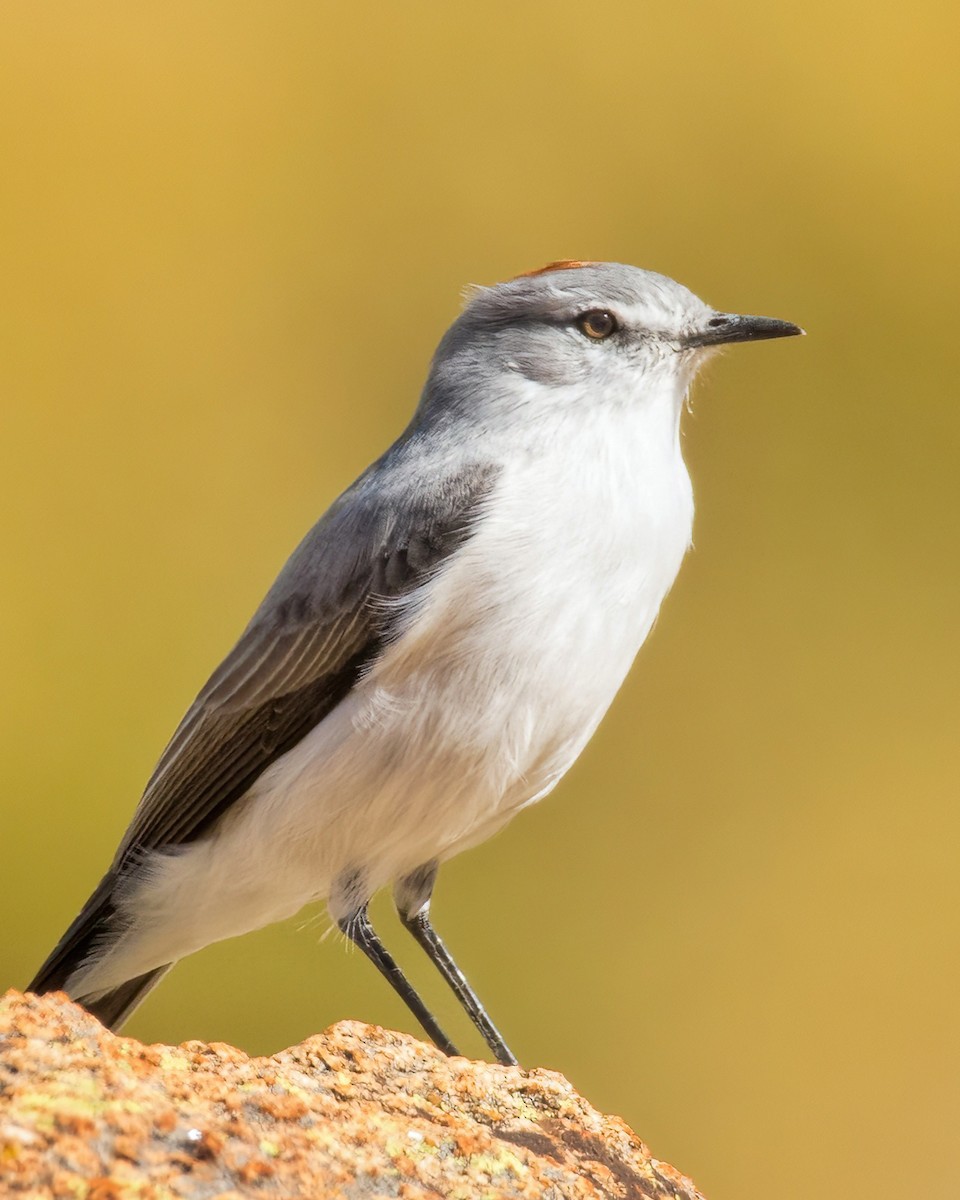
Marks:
<point>358,929</point>
<point>412,895</point>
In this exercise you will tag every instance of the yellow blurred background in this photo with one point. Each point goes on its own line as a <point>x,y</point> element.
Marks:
<point>232,234</point>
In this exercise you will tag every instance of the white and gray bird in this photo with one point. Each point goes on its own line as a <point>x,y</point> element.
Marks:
<point>437,651</point>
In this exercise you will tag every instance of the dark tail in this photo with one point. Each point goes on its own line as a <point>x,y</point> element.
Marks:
<point>112,1008</point>
<point>96,924</point>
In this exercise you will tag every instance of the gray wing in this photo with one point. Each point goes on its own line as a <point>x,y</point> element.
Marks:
<point>317,630</point>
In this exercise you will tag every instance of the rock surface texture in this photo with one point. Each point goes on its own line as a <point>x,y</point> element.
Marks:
<point>356,1112</point>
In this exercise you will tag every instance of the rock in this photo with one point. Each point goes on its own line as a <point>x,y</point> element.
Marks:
<point>356,1112</point>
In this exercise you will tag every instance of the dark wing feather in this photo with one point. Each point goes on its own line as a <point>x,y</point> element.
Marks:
<point>318,629</point>
<point>237,728</point>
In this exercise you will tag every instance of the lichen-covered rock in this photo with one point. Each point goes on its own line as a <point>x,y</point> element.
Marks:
<point>355,1112</point>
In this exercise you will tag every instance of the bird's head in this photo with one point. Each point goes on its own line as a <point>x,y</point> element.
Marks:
<point>576,331</point>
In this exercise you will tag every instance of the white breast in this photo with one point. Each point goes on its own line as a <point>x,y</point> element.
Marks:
<point>519,646</point>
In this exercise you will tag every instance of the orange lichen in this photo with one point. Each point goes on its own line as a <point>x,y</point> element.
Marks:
<point>356,1109</point>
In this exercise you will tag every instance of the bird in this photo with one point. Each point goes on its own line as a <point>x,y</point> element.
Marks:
<point>439,648</point>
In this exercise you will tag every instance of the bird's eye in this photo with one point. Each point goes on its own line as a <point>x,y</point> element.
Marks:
<point>598,324</point>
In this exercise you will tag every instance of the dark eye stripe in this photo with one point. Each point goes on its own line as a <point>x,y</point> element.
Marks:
<point>597,324</point>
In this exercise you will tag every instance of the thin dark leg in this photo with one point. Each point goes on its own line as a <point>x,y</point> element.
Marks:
<point>358,929</point>
<point>413,907</point>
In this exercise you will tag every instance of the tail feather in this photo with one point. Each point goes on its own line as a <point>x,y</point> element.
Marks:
<point>95,926</point>
<point>113,1007</point>
<point>78,945</point>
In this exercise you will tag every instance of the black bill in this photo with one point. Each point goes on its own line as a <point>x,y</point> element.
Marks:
<point>729,327</point>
